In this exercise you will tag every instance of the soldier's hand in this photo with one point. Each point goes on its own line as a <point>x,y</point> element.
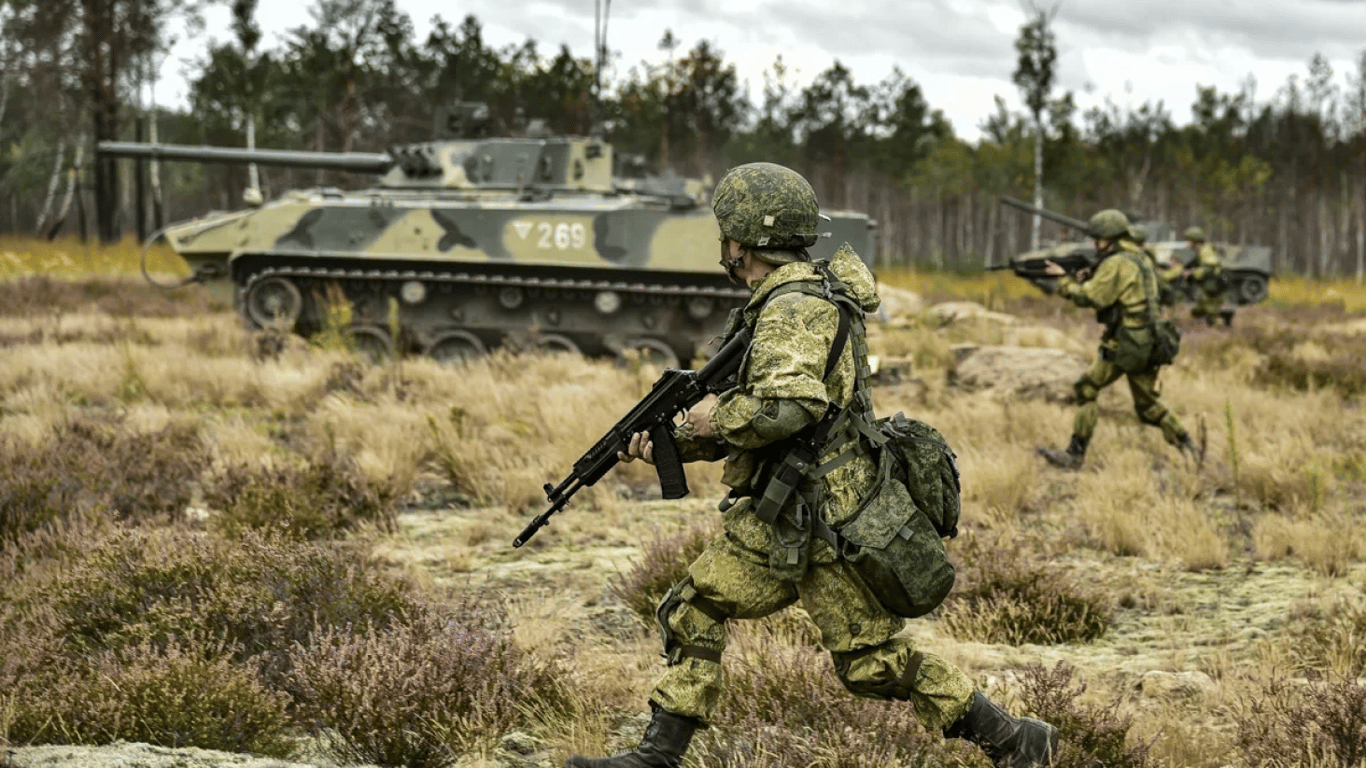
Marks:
<point>641,447</point>
<point>1051,269</point>
<point>700,416</point>
<point>1083,275</point>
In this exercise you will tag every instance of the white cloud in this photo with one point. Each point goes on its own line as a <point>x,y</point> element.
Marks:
<point>961,52</point>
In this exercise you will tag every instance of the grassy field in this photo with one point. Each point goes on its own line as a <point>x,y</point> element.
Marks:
<point>320,548</point>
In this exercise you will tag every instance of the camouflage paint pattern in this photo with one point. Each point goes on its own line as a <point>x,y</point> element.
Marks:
<point>792,338</point>
<point>543,219</point>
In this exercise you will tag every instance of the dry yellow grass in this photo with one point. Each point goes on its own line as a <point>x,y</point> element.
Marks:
<point>1170,543</point>
<point>69,257</point>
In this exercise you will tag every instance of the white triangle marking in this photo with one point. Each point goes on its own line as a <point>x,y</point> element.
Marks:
<point>522,227</point>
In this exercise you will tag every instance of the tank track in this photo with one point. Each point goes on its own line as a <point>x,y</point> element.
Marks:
<point>676,337</point>
<point>680,291</point>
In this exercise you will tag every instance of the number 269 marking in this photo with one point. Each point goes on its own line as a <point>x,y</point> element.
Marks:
<point>560,237</point>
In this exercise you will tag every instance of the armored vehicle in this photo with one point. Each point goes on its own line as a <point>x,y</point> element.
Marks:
<point>469,244</point>
<point>1248,266</point>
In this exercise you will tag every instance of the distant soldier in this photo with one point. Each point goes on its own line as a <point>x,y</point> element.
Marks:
<point>1123,292</point>
<point>1166,271</point>
<point>1207,274</point>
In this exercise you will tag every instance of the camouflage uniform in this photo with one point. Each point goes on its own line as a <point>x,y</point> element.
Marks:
<point>1207,273</point>
<point>1119,291</point>
<point>756,568</point>
<point>782,392</point>
<point>1166,273</point>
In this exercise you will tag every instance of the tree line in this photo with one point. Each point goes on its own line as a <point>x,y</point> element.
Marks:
<point>1288,170</point>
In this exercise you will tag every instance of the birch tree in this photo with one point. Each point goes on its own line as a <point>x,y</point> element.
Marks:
<point>1035,73</point>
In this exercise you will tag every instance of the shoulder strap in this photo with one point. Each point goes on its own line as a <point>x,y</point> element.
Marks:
<point>1146,270</point>
<point>833,290</point>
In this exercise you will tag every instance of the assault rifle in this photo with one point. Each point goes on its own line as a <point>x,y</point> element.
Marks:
<point>1034,269</point>
<point>1083,257</point>
<point>675,392</point>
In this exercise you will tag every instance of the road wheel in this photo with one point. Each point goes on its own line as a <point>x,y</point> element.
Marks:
<point>274,302</point>
<point>652,352</point>
<point>456,347</point>
<point>1252,289</point>
<point>555,344</point>
<point>370,342</point>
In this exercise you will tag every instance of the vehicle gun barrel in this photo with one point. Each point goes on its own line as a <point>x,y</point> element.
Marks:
<point>1066,221</point>
<point>358,162</point>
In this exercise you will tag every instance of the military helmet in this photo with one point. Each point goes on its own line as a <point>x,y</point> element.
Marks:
<point>1194,234</point>
<point>1138,233</point>
<point>767,206</point>
<point>1108,224</point>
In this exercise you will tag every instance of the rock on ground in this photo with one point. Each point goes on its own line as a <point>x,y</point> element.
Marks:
<point>1026,372</point>
<point>134,755</point>
<point>898,302</point>
<point>957,311</point>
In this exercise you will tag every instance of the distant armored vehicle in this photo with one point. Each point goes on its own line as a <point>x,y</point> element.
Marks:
<point>478,243</point>
<point>1248,266</point>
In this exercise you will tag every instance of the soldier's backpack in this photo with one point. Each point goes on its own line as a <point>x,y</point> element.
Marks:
<point>924,462</point>
<point>896,540</point>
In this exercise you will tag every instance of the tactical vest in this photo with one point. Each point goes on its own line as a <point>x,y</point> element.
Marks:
<point>894,540</point>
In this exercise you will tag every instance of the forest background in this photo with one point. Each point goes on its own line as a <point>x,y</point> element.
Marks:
<point>1289,171</point>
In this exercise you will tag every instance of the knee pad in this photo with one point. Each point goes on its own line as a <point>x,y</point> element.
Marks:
<point>1086,391</point>
<point>685,594</point>
<point>1153,414</point>
<point>880,682</point>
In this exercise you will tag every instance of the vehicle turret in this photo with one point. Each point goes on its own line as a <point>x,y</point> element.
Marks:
<point>511,164</point>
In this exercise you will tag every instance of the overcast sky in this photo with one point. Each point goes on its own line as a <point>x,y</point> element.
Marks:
<point>961,52</point>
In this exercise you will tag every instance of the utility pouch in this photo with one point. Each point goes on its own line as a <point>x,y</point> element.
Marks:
<point>895,549</point>
<point>1133,348</point>
<point>1166,342</point>
<point>1216,283</point>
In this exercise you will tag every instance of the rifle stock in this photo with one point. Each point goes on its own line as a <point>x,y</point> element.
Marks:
<point>673,393</point>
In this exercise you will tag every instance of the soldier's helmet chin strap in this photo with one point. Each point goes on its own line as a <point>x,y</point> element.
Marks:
<point>730,264</point>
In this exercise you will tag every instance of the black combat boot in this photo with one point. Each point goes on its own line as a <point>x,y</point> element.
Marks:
<point>1068,459</point>
<point>666,739</point>
<point>1226,314</point>
<point>1010,742</point>
<point>1191,450</point>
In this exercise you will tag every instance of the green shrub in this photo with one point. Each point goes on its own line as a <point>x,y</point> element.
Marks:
<point>169,695</point>
<point>1006,596</point>
<point>321,498</point>
<point>663,562</point>
<point>419,693</point>
<point>1092,734</point>
<point>260,595</point>
<point>785,707</point>
<point>1290,724</point>
<point>89,463</point>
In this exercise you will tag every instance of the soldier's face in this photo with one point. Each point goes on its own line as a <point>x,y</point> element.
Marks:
<point>732,258</point>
